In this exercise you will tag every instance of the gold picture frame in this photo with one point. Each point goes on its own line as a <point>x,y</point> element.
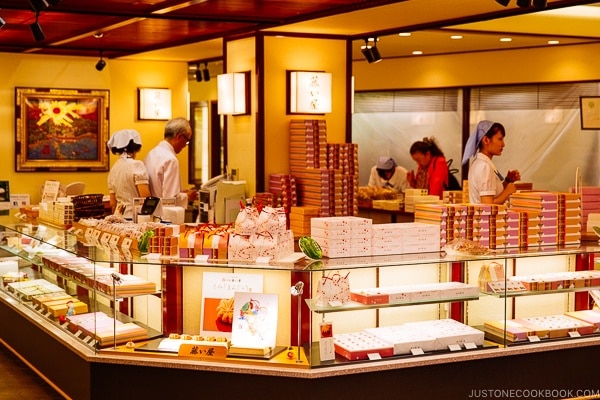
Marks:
<point>61,129</point>
<point>589,107</point>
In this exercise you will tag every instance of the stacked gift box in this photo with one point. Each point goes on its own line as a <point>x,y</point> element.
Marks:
<point>300,217</point>
<point>542,206</point>
<point>283,188</point>
<point>454,197</point>
<point>569,218</point>
<point>414,293</point>
<point>326,174</point>
<point>387,341</point>
<point>57,213</point>
<point>590,203</point>
<point>164,242</point>
<point>441,215</point>
<point>343,236</point>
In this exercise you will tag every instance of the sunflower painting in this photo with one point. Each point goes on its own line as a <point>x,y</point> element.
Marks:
<point>61,130</point>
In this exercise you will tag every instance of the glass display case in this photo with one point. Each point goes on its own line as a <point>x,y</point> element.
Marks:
<point>301,313</point>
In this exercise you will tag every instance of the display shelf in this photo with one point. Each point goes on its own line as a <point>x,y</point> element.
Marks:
<point>526,293</point>
<point>355,306</point>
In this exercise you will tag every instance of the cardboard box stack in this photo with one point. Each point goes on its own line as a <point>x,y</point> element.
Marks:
<point>542,207</point>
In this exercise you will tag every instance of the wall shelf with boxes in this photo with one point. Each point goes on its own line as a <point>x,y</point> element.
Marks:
<point>398,307</point>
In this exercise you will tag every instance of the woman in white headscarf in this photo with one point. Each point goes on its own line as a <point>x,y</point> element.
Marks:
<point>128,177</point>
<point>387,174</point>
<point>486,183</point>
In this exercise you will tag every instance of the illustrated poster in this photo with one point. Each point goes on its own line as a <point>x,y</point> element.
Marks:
<point>255,320</point>
<point>217,300</point>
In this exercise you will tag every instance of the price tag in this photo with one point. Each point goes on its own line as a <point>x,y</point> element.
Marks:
<point>374,356</point>
<point>574,334</point>
<point>454,347</point>
<point>417,351</point>
<point>533,338</point>
<point>126,243</point>
<point>470,346</point>
<point>263,260</point>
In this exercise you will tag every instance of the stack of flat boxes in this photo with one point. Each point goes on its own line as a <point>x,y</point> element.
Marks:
<point>498,224</point>
<point>463,220</point>
<point>405,238</point>
<point>164,242</point>
<point>413,197</point>
<point>545,206</point>
<point>481,224</point>
<point>344,157</point>
<point>300,217</point>
<point>569,218</point>
<point>441,215</point>
<point>453,197</point>
<point>283,188</point>
<point>590,203</point>
<point>326,174</point>
<point>343,236</point>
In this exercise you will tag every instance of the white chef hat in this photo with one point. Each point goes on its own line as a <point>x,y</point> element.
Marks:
<point>120,139</point>
<point>386,163</point>
<point>473,143</point>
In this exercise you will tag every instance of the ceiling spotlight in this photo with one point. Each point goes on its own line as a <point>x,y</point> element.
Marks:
<point>101,63</point>
<point>39,5</point>
<point>36,30</point>
<point>198,73</point>
<point>370,51</point>
<point>206,72</point>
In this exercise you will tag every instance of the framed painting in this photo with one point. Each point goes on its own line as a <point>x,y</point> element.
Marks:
<point>589,106</point>
<point>61,130</point>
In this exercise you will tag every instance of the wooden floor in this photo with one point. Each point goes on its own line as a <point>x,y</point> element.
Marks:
<point>18,381</point>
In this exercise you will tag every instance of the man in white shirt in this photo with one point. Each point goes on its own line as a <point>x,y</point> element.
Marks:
<point>163,166</point>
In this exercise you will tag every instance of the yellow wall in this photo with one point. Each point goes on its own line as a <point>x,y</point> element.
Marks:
<point>299,54</point>
<point>121,78</point>
<point>556,64</point>
<point>241,129</point>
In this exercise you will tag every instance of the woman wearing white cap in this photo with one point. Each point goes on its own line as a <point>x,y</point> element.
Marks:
<point>387,174</point>
<point>486,183</point>
<point>128,177</point>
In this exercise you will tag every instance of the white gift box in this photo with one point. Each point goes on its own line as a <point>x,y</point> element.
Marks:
<point>449,332</point>
<point>330,233</point>
<point>404,338</point>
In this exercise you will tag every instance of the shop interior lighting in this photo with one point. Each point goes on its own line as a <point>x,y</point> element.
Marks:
<point>198,73</point>
<point>370,51</point>
<point>36,29</point>
<point>101,63</point>
<point>2,23</point>
<point>206,72</point>
<point>538,4</point>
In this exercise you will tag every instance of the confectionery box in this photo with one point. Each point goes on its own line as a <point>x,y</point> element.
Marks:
<point>359,345</point>
<point>449,332</point>
<point>404,339</point>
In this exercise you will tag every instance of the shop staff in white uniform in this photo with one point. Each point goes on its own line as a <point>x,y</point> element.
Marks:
<point>486,183</point>
<point>387,174</point>
<point>163,166</point>
<point>128,177</point>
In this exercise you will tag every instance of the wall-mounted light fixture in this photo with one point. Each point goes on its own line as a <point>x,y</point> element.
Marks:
<point>233,93</point>
<point>309,92</point>
<point>370,50</point>
<point>154,103</point>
